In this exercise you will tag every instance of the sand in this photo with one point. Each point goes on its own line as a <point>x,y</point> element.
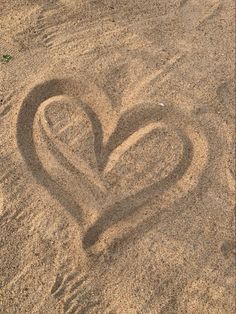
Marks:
<point>117,159</point>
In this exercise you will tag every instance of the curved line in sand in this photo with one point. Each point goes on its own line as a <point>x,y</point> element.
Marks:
<point>180,189</point>
<point>71,160</point>
<point>126,215</point>
<point>26,144</point>
<point>130,141</point>
<point>133,120</point>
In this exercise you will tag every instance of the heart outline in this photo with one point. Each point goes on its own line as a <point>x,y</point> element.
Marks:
<point>41,93</point>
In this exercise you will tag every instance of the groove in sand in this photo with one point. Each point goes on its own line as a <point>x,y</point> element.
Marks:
<point>132,125</point>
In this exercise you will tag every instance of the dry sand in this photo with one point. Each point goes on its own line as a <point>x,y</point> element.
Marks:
<point>117,156</point>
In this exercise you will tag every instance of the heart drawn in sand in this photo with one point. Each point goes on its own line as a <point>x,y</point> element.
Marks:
<point>110,165</point>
